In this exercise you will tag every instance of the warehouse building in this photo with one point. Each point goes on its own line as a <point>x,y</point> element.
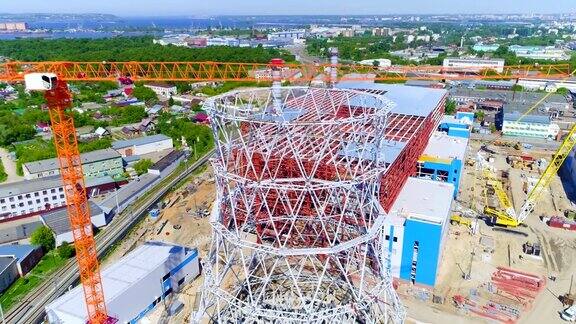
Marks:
<point>134,285</point>
<point>416,229</point>
<point>95,164</point>
<point>143,145</point>
<point>58,221</point>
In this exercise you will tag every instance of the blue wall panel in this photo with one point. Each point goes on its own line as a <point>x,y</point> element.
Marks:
<point>454,170</point>
<point>428,237</point>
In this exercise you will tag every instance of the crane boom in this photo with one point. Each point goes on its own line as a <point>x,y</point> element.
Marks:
<point>220,71</point>
<point>551,170</point>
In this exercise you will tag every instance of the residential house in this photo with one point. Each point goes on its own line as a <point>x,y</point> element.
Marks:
<point>162,89</point>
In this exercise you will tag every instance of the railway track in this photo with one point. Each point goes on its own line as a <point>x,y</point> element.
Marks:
<point>31,308</point>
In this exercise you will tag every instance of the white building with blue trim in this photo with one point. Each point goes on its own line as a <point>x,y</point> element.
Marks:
<point>134,285</point>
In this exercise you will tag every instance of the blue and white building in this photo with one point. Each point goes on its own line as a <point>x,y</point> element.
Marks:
<point>443,159</point>
<point>457,126</point>
<point>416,229</point>
<point>134,285</point>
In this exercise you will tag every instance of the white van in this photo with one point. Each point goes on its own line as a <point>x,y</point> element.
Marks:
<point>569,314</point>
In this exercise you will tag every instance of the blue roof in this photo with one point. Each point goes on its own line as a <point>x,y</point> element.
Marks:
<point>529,119</point>
<point>18,251</point>
<point>139,141</point>
<point>388,152</point>
<point>409,100</point>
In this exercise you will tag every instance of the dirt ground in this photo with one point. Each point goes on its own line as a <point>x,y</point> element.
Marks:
<point>463,253</point>
<point>185,222</point>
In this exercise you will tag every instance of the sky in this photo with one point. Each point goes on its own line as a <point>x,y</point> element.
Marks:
<point>286,7</point>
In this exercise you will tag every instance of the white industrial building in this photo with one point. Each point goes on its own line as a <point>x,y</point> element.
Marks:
<point>162,89</point>
<point>288,34</point>
<point>416,228</point>
<point>143,145</point>
<point>514,124</point>
<point>95,164</point>
<point>473,64</point>
<point>547,84</point>
<point>31,196</point>
<point>134,285</point>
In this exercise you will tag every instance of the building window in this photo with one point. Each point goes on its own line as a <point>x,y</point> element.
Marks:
<point>29,203</point>
<point>181,281</point>
<point>2,200</point>
<point>44,192</point>
<point>61,189</point>
<point>20,197</point>
<point>46,199</point>
<point>62,196</point>
<point>37,201</point>
<point>12,206</point>
<point>21,204</point>
<point>27,195</point>
<point>11,198</point>
<point>52,190</point>
<point>54,197</point>
<point>36,194</point>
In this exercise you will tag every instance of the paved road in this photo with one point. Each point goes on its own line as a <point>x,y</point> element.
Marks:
<point>9,167</point>
<point>31,308</point>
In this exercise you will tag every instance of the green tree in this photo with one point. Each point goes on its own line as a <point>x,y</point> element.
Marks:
<point>144,94</point>
<point>450,108</point>
<point>66,250</point>
<point>3,175</point>
<point>43,236</point>
<point>563,91</point>
<point>517,88</point>
<point>479,115</point>
<point>142,166</point>
<point>171,101</point>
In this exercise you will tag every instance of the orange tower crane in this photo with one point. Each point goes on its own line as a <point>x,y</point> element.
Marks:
<point>51,77</point>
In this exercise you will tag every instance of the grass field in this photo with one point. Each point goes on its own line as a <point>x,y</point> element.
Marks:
<point>48,265</point>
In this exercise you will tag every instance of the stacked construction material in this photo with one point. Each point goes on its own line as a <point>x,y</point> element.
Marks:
<point>520,288</point>
<point>518,285</point>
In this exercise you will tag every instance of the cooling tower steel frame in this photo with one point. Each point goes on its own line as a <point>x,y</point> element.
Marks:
<point>297,225</point>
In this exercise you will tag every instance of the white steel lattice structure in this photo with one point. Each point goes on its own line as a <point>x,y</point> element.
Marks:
<point>297,225</point>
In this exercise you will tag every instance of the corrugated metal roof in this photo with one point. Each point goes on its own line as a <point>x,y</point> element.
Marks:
<point>58,220</point>
<point>26,186</point>
<point>529,119</point>
<point>416,101</point>
<point>17,251</point>
<point>139,141</point>
<point>90,157</point>
<point>123,274</point>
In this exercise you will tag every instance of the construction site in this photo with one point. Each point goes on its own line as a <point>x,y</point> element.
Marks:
<point>359,202</point>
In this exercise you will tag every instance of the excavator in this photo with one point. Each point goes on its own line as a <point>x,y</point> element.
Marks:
<point>508,217</point>
<point>52,77</point>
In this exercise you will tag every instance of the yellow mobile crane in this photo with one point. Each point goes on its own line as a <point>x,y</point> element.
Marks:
<point>508,217</point>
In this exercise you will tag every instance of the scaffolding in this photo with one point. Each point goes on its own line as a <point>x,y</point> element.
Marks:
<point>297,226</point>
